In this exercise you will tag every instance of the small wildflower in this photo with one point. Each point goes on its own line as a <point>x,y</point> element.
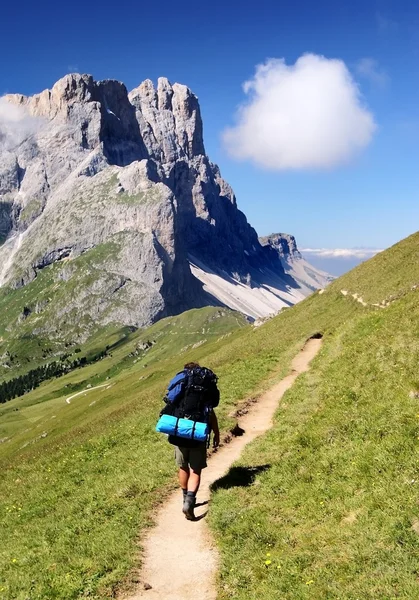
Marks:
<point>14,560</point>
<point>268,554</point>
<point>268,562</point>
<point>309,582</point>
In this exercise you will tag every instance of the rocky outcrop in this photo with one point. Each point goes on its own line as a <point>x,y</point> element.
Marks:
<point>113,192</point>
<point>170,121</point>
<point>307,277</point>
<point>283,243</point>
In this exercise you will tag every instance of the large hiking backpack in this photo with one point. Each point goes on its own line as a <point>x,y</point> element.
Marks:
<point>199,384</point>
<point>190,396</point>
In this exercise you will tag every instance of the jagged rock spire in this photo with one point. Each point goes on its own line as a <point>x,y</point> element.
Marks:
<point>170,120</point>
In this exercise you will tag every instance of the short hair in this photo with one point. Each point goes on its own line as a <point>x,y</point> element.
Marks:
<point>191,365</point>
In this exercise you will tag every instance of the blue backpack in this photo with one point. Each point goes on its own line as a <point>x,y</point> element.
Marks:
<point>176,387</point>
<point>194,380</point>
<point>187,409</point>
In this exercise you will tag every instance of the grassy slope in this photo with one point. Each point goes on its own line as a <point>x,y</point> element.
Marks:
<point>335,514</point>
<point>44,409</point>
<point>78,497</point>
<point>93,488</point>
<point>388,275</point>
<point>72,502</point>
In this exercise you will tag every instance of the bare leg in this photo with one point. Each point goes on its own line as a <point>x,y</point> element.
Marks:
<point>184,477</point>
<point>194,479</point>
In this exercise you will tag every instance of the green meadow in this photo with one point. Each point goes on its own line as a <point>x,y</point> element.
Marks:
<point>322,506</point>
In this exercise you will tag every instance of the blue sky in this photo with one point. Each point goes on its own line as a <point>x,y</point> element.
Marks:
<point>214,47</point>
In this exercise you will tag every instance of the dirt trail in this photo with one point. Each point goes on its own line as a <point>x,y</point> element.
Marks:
<point>69,399</point>
<point>180,559</point>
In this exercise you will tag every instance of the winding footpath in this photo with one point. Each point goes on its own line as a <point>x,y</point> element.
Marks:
<point>180,559</point>
<point>69,399</point>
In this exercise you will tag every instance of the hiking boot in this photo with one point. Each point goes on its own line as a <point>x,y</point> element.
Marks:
<point>188,507</point>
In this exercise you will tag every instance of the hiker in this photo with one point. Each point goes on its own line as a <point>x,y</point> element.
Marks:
<point>192,396</point>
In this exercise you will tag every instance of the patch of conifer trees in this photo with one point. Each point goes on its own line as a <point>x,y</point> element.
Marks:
<point>32,379</point>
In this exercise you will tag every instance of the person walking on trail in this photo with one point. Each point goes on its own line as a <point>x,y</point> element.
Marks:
<point>193,396</point>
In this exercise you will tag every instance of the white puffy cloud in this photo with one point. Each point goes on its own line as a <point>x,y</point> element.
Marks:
<point>342,252</point>
<point>15,124</point>
<point>371,70</point>
<point>309,115</point>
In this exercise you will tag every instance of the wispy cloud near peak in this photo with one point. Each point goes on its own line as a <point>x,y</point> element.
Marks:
<point>16,124</point>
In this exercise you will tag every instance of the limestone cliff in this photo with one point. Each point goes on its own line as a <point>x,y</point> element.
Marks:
<point>111,206</point>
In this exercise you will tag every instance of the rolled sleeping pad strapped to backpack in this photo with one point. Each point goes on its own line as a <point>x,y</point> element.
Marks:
<point>184,428</point>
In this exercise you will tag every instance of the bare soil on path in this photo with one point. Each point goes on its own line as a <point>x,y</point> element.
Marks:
<point>180,559</point>
<point>68,400</point>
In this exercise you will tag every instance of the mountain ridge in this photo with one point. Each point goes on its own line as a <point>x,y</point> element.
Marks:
<point>115,190</point>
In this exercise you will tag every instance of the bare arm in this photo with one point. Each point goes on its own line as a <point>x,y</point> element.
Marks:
<point>215,429</point>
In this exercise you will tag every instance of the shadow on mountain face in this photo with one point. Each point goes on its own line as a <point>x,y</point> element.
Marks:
<point>6,221</point>
<point>119,129</point>
<point>238,477</point>
<point>211,227</point>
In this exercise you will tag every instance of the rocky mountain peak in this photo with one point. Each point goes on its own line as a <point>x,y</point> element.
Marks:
<point>284,244</point>
<point>170,120</point>
<point>114,192</point>
<point>67,91</point>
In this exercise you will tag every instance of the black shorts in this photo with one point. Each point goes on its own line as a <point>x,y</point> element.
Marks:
<point>195,458</point>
